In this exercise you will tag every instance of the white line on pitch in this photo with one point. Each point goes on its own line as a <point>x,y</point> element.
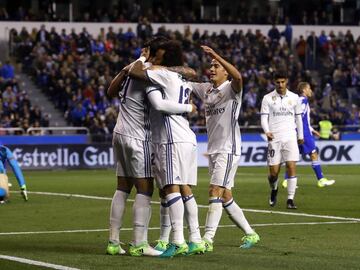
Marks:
<point>37,263</point>
<point>158,228</point>
<point>201,206</point>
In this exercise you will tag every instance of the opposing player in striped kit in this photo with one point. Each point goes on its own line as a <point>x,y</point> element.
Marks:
<point>309,148</point>
<point>222,98</point>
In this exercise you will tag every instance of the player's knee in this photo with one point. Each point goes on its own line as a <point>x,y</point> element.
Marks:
<point>185,190</point>
<point>144,186</point>
<point>227,196</point>
<point>272,178</point>
<point>215,191</point>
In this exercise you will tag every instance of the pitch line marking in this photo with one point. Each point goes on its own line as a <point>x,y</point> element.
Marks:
<point>201,206</point>
<point>37,263</point>
<point>202,227</point>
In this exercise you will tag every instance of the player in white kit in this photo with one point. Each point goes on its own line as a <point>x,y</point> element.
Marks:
<point>175,153</point>
<point>282,124</point>
<point>222,98</point>
<point>132,149</point>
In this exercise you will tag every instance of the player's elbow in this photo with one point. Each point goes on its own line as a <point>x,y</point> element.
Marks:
<point>111,92</point>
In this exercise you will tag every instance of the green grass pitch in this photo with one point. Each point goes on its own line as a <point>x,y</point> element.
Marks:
<point>314,241</point>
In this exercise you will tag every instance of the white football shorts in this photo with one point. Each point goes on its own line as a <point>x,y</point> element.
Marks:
<point>132,156</point>
<point>282,151</point>
<point>175,164</point>
<point>222,168</point>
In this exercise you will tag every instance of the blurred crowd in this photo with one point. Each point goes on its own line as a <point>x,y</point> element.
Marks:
<point>75,69</point>
<point>181,11</point>
<point>16,110</point>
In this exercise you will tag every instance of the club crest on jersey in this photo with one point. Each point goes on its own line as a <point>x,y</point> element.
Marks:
<point>289,102</point>
<point>273,99</point>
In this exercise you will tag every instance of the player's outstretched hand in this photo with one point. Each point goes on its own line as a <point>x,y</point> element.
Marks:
<point>24,193</point>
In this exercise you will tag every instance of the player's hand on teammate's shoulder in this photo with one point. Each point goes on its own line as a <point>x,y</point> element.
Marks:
<point>269,136</point>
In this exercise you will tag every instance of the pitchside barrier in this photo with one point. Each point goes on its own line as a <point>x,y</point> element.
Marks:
<point>75,152</point>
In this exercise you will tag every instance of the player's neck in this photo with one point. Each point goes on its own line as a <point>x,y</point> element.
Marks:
<point>281,92</point>
<point>218,83</point>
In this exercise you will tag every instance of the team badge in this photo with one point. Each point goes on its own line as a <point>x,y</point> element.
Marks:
<point>289,102</point>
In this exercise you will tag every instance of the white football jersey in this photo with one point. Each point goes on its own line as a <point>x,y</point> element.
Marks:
<point>282,111</point>
<point>168,128</point>
<point>222,110</point>
<point>133,118</point>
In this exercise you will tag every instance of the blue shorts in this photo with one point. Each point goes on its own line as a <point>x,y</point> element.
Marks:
<point>308,147</point>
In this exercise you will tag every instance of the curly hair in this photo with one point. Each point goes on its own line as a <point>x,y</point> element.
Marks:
<point>173,55</point>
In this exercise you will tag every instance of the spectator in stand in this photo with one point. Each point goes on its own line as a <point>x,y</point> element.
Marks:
<point>274,34</point>
<point>7,71</point>
<point>144,29</point>
<point>288,32</point>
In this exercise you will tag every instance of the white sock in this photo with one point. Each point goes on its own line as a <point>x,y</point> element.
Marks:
<point>141,218</point>
<point>176,213</point>
<point>165,224</point>
<point>237,216</point>
<point>213,218</point>
<point>291,187</point>
<point>192,219</point>
<point>116,214</point>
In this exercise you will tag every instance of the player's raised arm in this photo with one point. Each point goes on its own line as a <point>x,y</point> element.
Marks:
<point>155,97</point>
<point>137,70</point>
<point>116,83</point>
<point>236,82</point>
<point>187,72</point>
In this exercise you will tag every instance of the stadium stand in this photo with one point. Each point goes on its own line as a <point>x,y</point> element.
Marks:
<point>16,109</point>
<point>182,11</point>
<point>74,69</point>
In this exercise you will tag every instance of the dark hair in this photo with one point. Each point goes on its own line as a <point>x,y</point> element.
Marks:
<point>173,55</point>
<point>280,74</point>
<point>155,44</point>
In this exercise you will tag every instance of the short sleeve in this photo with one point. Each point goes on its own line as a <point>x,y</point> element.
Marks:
<point>159,76</point>
<point>199,89</point>
<point>264,106</point>
<point>299,109</point>
<point>152,88</point>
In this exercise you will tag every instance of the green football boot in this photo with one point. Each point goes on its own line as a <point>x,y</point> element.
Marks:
<point>250,240</point>
<point>114,249</point>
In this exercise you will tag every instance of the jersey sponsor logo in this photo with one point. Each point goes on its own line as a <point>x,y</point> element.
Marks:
<point>44,157</point>
<point>211,110</point>
<point>282,113</point>
<point>256,153</point>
